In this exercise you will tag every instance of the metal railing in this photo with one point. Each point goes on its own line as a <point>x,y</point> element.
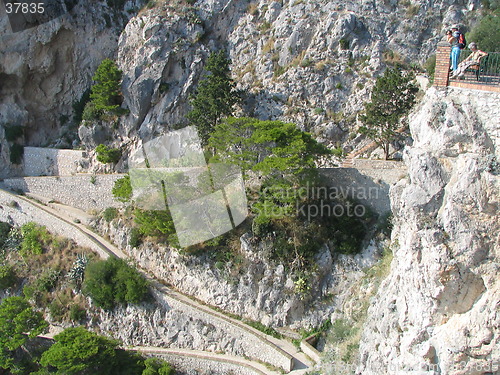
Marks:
<point>486,73</point>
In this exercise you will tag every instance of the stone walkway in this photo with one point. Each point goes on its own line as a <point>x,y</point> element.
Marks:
<point>301,363</point>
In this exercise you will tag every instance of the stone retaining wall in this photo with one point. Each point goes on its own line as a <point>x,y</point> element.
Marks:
<point>252,346</point>
<point>40,161</point>
<point>204,364</point>
<point>16,210</point>
<point>83,191</point>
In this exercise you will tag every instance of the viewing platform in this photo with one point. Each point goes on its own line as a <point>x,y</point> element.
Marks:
<point>485,76</point>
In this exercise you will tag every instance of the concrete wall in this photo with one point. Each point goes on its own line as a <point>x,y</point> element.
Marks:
<point>40,161</point>
<point>78,191</point>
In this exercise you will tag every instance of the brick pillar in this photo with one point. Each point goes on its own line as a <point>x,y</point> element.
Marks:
<point>442,70</point>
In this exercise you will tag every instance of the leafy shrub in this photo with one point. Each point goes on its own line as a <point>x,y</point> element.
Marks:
<point>33,237</point>
<point>12,133</point>
<point>110,213</point>
<point>156,224</point>
<point>156,366</point>
<point>4,232</point>
<point>344,44</point>
<point>430,67</point>
<point>90,112</point>
<point>412,10</point>
<point>56,310</point>
<point>122,189</point>
<point>16,153</point>
<point>48,280</point>
<point>8,276</point>
<point>113,281</point>
<point>77,313</point>
<point>306,63</point>
<point>107,155</point>
<point>135,237</point>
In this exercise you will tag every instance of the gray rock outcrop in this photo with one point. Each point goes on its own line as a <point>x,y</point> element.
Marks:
<point>438,308</point>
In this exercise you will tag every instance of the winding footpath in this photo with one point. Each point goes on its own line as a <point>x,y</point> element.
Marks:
<point>279,353</point>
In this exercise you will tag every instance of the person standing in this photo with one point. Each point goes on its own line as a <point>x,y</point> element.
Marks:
<point>453,37</point>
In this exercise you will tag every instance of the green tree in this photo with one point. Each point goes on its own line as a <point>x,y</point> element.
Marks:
<point>105,92</point>
<point>79,352</point>
<point>486,33</point>
<point>113,281</point>
<point>392,97</point>
<point>215,96</point>
<point>279,152</point>
<point>268,147</point>
<point>18,322</point>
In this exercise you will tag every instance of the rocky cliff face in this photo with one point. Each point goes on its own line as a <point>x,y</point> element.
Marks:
<point>312,63</point>
<point>439,307</point>
<point>45,69</point>
<point>307,62</point>
<point>253,286</point>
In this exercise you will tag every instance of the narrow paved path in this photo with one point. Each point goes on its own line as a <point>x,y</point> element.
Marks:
<point>301,363</point>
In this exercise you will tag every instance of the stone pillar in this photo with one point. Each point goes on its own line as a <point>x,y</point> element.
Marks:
<point>442,70</point>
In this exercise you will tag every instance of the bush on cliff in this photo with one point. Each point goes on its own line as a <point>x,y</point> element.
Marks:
<point>113,281</point>
<point>107,155</point>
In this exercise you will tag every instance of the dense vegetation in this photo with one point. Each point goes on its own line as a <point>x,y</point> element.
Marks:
<point>76,351</point>
<point>49,272</point>
<point>486,33</point>
<point>281,158</point>
<point>113,281</point>
<point>107,155</point>
<point>18,323</point>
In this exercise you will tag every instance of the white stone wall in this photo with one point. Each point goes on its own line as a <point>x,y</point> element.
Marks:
<point>81,191</point>
<point>206,365</point>
<point>52,162</point>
